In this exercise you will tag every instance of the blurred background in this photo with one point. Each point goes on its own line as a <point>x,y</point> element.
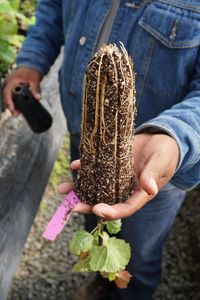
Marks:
<point>44,271</point>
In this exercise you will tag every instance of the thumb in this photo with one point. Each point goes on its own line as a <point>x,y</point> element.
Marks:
<point>149,185</point>
<point>150,176</point>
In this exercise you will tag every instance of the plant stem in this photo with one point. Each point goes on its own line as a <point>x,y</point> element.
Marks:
<point>100,229</point>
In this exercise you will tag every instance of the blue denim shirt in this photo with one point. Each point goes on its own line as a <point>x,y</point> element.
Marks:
<point>163,37</point>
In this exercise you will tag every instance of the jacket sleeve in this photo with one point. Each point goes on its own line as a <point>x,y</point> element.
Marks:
<point>44,39</point>
<point>182,122</point>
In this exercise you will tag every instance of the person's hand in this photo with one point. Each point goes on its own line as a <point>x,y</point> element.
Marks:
<point>156,158</point>
<point>26,76</point>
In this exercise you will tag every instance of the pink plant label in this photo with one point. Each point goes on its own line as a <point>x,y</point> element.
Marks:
<point>61,216</point>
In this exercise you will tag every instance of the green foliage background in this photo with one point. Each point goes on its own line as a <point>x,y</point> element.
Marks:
<point>15,17</point>
<point>61,169</point>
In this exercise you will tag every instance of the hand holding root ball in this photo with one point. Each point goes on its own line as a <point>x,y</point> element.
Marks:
<point>118,173</point>
<point>156,158</point>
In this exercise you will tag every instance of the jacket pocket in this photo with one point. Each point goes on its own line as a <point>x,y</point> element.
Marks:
<point>173,26</point>
<point>169,39</point>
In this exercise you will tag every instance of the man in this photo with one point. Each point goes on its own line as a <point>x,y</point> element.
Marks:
<point>163,38</point>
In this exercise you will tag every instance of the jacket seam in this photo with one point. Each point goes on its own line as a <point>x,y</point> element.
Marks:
<point>181,5</point>
<point>165,41</point>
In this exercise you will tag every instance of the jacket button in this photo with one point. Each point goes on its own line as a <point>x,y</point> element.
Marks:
<point>82,40</point>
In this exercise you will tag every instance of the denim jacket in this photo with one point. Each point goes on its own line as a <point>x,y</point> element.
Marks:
<point>162,36</point>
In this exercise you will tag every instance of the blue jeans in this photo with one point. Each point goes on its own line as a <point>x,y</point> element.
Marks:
<point>146,231</point>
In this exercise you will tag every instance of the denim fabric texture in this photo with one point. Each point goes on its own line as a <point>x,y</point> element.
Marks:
<point>146,231</point>
<point>163,37</point>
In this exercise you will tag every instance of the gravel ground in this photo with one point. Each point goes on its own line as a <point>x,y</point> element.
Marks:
<point>181,263</point>
<point>45,268</point>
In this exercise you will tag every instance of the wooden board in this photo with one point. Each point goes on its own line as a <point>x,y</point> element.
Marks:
<point>26,160</point>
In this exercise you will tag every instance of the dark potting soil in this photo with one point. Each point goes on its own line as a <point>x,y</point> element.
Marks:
<point>107,166</point>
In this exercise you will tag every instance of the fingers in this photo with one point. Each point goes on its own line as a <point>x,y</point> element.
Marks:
<point>108,212</point>
<point>65,187</point>
<point>155,174</point>
<point>35,88</point>
<point>148,182</point>
<point>138,199</point>
<point>25,76</point>
<point>83,208</point>
<point>155,165</point>
<point>7,95</point>
<point>157,162</point>
<point>75,165</point>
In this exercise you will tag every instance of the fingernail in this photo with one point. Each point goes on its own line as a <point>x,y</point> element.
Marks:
<point>153,186</point>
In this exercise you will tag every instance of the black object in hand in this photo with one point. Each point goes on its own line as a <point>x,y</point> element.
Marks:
<point>35,114</point>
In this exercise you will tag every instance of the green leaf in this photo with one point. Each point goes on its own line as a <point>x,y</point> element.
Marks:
<point>32,20</point>
<point>3,66</point>
<point>82,241</point>
<point>24,21</point>
<point>112,276</point>
<point>114,226</point>
<point>118,255</point>
<point>8,24</point>
<point>110,258</point>
<point>82,265</point>
<point>105,237</point>
<point>15,39</point>
<point>98,257</point>
<point>109,276</point>
<point>21,16</point>
<point>7,53</point>
<point>96,238</point>
<point>10,21</point>
<point>5,7</point>
<point>15,4</point>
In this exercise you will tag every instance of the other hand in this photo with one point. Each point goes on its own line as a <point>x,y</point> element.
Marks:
<point>156,157</point>
<point>22,75</point>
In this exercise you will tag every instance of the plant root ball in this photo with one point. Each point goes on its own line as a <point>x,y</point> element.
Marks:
<point>107,171</point>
